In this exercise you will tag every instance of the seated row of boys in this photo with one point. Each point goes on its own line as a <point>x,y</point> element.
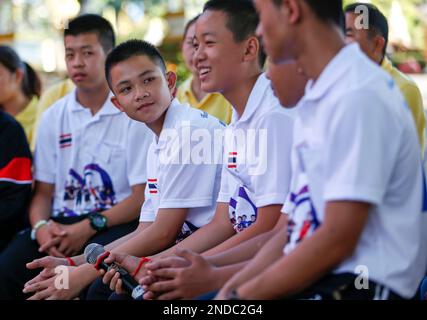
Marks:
<point>189,206</point>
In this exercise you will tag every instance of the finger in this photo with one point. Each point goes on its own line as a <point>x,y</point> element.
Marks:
<point>162,286</point>
<point>114,280</point>
<point>106,279</point>
<point>110,259</point>
<point>37,263</point>
<point>63,244</point>
<point>57,230</point>
<point>149,295</point>
<point>34,280</point>
<point>38,286</point>
<point>158,264</point>
<point>119,287</point>
<point>186,254</point>
<point>53,251</point>
<point>147,280</point>
<point>169,273</point>
<point>52,242</point>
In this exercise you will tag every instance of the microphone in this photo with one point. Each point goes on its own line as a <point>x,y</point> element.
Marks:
<point>95,254</point>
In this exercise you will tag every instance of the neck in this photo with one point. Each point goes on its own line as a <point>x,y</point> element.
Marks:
<point>196,88</point>
<point>15,104</point>
<point>157,126</point>
<point>238,95</point>
<point>319,49</point>
<point>93,99</point>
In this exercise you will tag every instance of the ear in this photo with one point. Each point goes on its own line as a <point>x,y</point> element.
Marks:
<point>251,50</point>
<point>171,79</point>
<point>117,103</point>
<point>19,75</point>
<point>379,42</point>
<point>292,10</point>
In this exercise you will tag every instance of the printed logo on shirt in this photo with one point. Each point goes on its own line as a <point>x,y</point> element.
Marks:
<point>304,220</point>
<point>152,186</point>
<point>232,160</point>
<point>204,115</point>
<point>242,211</point>
<point>94,191</point>
<point>65,140</point>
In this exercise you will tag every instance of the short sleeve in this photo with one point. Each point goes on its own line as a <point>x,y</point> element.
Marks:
<point>271,175</point>
<point>224,191</point>
<point>45,155</point>
<point>358,149</point>
<point>188,184</point>
<point>139,140</point>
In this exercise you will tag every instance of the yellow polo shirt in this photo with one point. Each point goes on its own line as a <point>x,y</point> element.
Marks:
<point>412,95</point>
<point>213,103</point>
<point>49,97</point>
<point>27,118</point>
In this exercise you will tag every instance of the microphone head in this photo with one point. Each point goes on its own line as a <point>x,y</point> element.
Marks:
<point>92,252</point>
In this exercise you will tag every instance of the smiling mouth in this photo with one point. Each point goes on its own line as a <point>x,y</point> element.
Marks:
<point>203,71</point>
<point>145,105</point>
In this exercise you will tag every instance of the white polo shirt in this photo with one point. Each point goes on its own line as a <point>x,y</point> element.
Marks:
<point>92,160</point>
<point>354,140</point>
<point>257,169</point>
<point>177,176</point>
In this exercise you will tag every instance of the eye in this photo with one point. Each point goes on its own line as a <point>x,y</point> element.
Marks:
<point>125,90</point>
<point>69,56</point>
<point>148,80</point>
<point>87,53</point>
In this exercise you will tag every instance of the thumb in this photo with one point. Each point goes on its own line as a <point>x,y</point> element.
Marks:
<point>187,255</point>
<point>33,264</point>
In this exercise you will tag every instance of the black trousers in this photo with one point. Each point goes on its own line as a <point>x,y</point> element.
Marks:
<point>21,250</point>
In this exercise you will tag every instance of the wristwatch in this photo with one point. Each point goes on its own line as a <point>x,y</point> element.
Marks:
<point>98,222</point>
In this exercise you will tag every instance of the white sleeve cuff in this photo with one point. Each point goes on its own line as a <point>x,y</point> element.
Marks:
<point>185,203</point>
<point>44,177</point>
<point>269,199</point>
<point>353,193</point>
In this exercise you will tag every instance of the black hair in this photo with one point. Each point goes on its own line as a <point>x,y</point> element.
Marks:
<point>130,49</point>
<point>242,20</point>
<point>325,10</point>
<point>89,23</point>
<point>189,24</point>
<point>31,84</point>
<point>377,22</point>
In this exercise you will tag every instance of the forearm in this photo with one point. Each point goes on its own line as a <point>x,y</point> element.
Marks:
<point>269,253</point>
<point>40,209</point>
<point>123,212</point>
<point>223,274</point>
<point>242,252</point>
<point>293,273</point>
<point>146,243</point>
<point>268,217</point>
<point>203,239</point>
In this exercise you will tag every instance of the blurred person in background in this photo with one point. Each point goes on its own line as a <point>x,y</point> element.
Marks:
<point>191,92</point>
<point>20,88</point>
<point>373,42</point>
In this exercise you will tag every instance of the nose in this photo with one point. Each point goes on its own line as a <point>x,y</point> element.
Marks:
<point>199,55</point>
<point>78,61</point>
<point>141,93</point>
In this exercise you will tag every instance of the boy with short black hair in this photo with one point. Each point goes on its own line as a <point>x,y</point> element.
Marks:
<point>352,192</point>
<point>89,159</point>
<point>182,184</point>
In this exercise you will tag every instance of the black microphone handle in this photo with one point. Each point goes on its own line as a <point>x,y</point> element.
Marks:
<point>129,283</point>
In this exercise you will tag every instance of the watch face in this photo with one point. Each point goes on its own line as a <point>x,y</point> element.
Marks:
<point>98,221</point>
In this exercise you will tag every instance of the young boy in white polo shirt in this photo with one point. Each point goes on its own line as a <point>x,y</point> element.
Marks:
<point>89,158</point>
<point>256,172</point>
<point>182,186</point>
<point>356,228</point>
